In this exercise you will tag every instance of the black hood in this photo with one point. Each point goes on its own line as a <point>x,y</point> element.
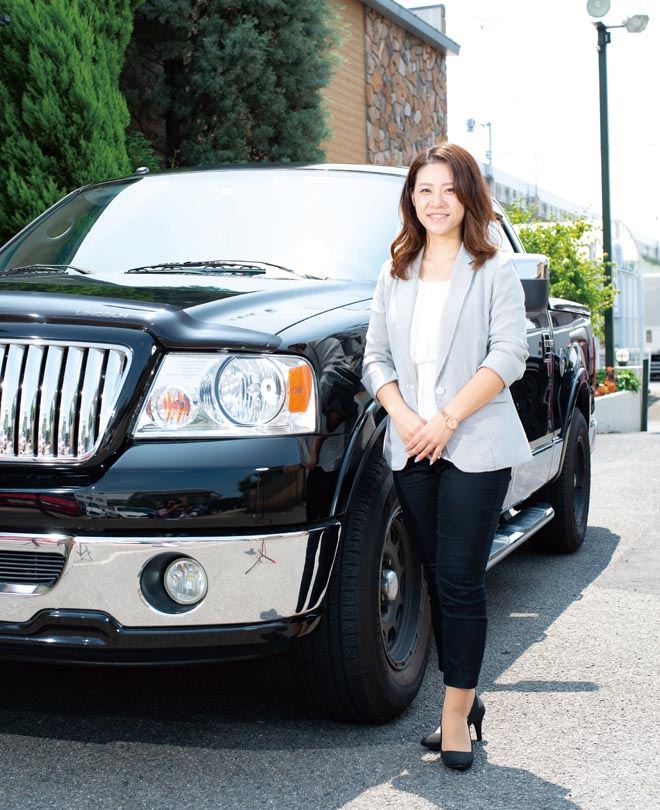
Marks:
<point>237,312</point>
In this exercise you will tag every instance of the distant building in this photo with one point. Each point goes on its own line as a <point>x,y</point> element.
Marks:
<point>649,250</point>
<point>509,189</point>
<point>652,321</point>
<point>388,96</point>
<point>627,277</point>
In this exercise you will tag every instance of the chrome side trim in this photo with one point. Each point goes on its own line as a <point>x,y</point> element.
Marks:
<point>57,398</point>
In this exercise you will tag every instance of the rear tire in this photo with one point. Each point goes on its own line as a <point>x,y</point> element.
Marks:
<point>568,495</point>
<point>365,661</point>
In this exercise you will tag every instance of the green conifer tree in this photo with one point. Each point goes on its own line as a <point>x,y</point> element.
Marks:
<point>232,81</point>
<point>63,118</point>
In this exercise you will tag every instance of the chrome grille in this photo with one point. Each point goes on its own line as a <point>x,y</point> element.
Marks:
<point>57,398</point>
<point>30,567</point>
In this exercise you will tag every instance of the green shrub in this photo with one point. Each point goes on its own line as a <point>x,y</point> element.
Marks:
<point>611,379</point>
<point>141,152</point>
<point>627,380</point>
<point>573,274</point>
<point>63,117</point>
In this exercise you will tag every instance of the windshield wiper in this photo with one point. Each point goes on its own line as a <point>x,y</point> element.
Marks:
<point>56,269</point>
<point>228,267</point>
<point>223,266</point>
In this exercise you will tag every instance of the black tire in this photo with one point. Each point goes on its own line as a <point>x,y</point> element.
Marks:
<point>365,661</point>
<point>569,495</point>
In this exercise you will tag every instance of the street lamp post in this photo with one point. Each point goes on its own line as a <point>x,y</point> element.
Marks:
<point>634,25</point>
<point>470,124</point>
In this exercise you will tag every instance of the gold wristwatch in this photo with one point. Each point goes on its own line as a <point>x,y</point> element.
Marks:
<point>451,421</point>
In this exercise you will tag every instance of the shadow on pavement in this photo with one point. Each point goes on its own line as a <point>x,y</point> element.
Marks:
<point>527,592</point>
<point>247,721</point>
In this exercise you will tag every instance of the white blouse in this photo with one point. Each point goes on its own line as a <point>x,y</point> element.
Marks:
<point>425,341</point>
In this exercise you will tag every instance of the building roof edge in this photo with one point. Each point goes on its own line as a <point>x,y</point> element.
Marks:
<point>413,24</point>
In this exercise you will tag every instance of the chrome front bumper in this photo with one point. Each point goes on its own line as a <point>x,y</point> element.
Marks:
<point>251,578</point>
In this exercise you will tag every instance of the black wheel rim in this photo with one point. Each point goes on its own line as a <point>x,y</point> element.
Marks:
<point>401,593</point>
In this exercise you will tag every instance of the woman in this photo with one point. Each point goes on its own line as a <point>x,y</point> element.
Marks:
<point>447,337</point>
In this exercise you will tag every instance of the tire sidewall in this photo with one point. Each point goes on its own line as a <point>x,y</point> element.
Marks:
<point>396,686</point>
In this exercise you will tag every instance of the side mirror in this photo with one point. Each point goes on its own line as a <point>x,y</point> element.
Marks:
<point>534,273</point>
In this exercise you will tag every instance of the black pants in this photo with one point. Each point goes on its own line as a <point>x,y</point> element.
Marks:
<point>451,517</point>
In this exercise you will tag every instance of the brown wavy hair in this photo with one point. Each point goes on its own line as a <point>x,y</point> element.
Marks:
<point>471,190</point>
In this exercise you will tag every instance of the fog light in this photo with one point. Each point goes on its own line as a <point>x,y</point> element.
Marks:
<point>185,581</point>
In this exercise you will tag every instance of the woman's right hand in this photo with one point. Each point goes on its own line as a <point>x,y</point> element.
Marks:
<point>404,419</point>
<point>407,423</point>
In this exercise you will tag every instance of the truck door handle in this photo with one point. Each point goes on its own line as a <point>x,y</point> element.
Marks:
<point>548,344</point>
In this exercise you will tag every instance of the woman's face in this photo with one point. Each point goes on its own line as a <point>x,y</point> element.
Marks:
<point>437,206</point>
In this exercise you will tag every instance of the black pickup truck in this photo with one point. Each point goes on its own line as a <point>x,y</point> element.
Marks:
<point>190,468</point>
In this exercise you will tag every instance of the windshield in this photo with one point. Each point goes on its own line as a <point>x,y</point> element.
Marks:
<point>318,223</point>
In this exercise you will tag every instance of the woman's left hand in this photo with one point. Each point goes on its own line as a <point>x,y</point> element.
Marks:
<point>430,440</point>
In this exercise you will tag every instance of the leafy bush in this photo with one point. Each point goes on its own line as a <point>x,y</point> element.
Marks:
<point>63,116</point>
<point>573,275</point>
<point>610,380</point>
<point>627,380</point>
<point>141,152</point>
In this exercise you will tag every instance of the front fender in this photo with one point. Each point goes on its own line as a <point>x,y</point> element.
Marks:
<point>580,398</point>
<point>368,433</point>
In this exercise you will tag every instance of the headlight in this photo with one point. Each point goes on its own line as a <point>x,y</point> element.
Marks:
<point>249,391</point>
<point>205,395</point>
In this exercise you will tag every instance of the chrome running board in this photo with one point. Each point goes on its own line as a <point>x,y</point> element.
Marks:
<point>515,530</point>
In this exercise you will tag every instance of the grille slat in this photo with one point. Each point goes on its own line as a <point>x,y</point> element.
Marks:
<point>47,435</point>
<point>89,401</point>
<point>28,400</point>
<point>57,399</point>
<point>30,567</point>
<point>10,392</point>
<point>66,428</point>
<point>115,367</point>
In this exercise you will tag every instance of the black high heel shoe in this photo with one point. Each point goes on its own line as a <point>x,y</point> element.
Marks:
<point>458,760</point>
<point>475,718</point>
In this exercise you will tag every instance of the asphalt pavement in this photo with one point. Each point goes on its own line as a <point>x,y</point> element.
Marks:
<point>570,682</point>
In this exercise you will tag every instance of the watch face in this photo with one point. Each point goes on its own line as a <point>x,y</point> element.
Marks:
<point>452,422</point>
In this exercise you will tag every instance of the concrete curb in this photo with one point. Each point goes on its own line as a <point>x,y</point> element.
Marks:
<point>619,412</point>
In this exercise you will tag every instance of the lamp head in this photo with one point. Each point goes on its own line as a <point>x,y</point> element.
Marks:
<point>598,8</point>
<point>637,23</point>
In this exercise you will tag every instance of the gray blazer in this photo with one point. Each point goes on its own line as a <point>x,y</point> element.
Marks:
<point>483,324</point>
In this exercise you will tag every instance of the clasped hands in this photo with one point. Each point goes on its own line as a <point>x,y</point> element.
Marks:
<point>422,439</point>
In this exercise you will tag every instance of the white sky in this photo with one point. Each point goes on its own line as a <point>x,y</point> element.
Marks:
<point>534,76</point>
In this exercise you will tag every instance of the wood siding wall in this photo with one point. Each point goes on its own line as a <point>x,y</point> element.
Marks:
<point>345,96</point>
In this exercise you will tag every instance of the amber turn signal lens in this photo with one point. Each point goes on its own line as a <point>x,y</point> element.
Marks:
<point>300,388</point>
<point>172,406</point>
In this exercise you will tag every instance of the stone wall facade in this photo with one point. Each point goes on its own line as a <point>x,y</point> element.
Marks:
<point>406,93</point>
